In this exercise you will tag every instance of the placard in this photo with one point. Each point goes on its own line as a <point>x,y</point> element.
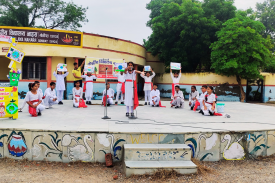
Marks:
<point>175,66</point>
<point>62,67</point>
<point>9,102</point>
<point>89,68</point>
<point>147,68</point>
<point>120,67</point>
<point>15,55</point>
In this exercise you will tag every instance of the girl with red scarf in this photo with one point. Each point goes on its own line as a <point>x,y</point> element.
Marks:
<point>34,99</point>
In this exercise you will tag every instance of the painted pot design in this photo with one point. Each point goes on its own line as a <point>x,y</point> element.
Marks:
<point>17,146</point>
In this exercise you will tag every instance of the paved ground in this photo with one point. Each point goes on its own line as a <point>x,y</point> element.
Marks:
<point>247,171</point>
<point>244,117</point>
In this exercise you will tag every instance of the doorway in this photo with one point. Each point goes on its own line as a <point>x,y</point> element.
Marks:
<point>254,91</point>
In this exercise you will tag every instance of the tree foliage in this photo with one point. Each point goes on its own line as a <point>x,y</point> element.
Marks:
<point>49,14</point>
<point>241,50</point>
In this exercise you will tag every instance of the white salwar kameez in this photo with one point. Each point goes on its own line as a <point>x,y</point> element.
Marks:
<point>147,86</point>
<point>31,97</point>
<point>24,103</point>
<point>89,93</point>
<point>200,99</point>
<point>110,93</point>
<point>129,90</point>
<point>156,99</point>
<point>209,103</point>
<point>120,80</point>
<point>50,95</point>
<point>178,99</point>
<point>60,85</point>
<point>191,96</point>
<point>77,94</point>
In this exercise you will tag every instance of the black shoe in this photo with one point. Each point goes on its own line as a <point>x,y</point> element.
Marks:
<point>201,112</point>
<point>39,114</point>
<point>148,103</point>
<point>116,103</point>
<point>177,107</point>
<point>145,103</point>
<point>192,108</point>
<point>108,105</point>
<point>157,106</point>
<point>121,102</point>
<point>153,106</point>
<point>87,102</point>
<point>60,103</point>
<point>127,114</point>
<point>132,115</point>
<point>90,103</point>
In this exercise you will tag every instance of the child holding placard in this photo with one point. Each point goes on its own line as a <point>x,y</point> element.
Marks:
<point>148,85</point>
<point>60,84</point>
<point>89,86</point>
<point>176,80</point>
<point>120,83</point>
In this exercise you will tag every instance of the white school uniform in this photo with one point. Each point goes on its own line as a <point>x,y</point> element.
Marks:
<point>89,87</point>
<point>49,96</point>
<point>175,80</point>
<point>191,96</point>
<point>31,97</point>
<point>209,103</point>
<point>24,103</point>
<point>200,99</point>
<point>60,85</point>
<point>111,94</point>
<point>147,86</point>
<point>120,80</point>
<point>129,92</point>
<point>178,99</point>
<point>77,94</point>
<point>156,95</point>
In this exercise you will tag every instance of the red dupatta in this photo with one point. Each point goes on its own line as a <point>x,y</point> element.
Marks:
<point>32,110</point>
<point>136,102</point>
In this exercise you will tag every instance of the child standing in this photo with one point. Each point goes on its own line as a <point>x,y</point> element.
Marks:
<point>120,81</point>
<point>110,96</point>
<point>77,94</point>
<point>193,97</point>
<point>148,85</point>
<point>209,102</point>
<point>50,96</point>
<point>34,100</point>
<point>176,81</point>
<point>89,86</point>
<point>155,96</point>
<point>60,85</point>
<point>178,98</point>
<point>131,98</point>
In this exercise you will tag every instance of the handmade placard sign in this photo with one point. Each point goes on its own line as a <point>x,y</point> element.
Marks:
<point>9,102</point>
<point>15,55</point>
<point>14,76</point>
<point>175,66</point>
<point>120,67</point>
<point>89,68</point>
<point>62,67</point>
<point>147,68</point>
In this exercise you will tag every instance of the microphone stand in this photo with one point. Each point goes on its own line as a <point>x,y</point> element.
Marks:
<point>105,111</point>
<point>130,116</point>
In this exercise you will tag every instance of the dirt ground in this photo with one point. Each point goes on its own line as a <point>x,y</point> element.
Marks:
<point>224,171</point>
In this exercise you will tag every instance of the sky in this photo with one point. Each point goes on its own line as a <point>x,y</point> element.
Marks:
<point>126,19</point>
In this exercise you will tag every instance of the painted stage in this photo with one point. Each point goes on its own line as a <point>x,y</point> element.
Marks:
<point>66,134</point>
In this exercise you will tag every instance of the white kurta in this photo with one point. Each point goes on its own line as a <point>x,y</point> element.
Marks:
<point>89,86</point>
<point>156,95</point>
<point>147,81</point>
<point>31,97</point>
<point>129,90</point>
<point>201,98</point>
<point>110,93</point>
<point>209,103</point>
<point>60,84</point>
<point>77,94</point>
<point>49,96</point>
<point>193,95</point>
<point>175,80</point>
<point>121,79</point>
<point>178,99</point>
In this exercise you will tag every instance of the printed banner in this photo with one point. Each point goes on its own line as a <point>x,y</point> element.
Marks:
<point>101,65</point>
<point>43,36</point>
<point>9,102</point>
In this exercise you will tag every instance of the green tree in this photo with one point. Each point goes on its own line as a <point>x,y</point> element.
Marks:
<point>241,50</point>
<point>53,14</point>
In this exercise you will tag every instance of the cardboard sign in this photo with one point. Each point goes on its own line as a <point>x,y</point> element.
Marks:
<point>175,66</point>
<point>89,68</point>
<point>62,67</point>
<point>120,67</point>
<point>147,68</point>
<point>9,102</point>
<point>15,55</point>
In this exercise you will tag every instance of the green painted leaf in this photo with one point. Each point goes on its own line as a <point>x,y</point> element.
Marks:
<point>205,156</point>
<point>78,138</point>
<point>255,149</point>
<point>56,136</point>
<point>4,135</point>
<point>117,142</point>
<point>258,137</point>
<point>12,133</point>
<point>42,143</point>
<point>193,141</point>
<point>58,141</point>
<point>54,139</point>
<point>103,151</point>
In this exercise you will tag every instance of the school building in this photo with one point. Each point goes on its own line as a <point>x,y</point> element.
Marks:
<point>46,48</point>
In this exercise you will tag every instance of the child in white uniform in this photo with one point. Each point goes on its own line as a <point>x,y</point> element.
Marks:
<point>120,81</point>
<point>77,94</point>
<point>50,96</point>
<point>209,102</point>
<point>130,76</point>
<point>178,98</point>
<point>193,97</point>
<point>176,81</point>
<point>147,85</point>
<point>89,86</point>
<point>199,104</point>
<point>155,96</point>
<point>60,85</point>
<point>110,94</point>
<point>34,100</point>
<point>38,90</point>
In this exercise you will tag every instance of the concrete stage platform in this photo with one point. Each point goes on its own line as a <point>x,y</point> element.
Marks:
<point>66,134</point>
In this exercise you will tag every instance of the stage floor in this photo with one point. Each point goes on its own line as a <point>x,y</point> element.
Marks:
<point>244,117</point>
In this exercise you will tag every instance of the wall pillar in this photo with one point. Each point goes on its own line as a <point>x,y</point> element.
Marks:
<point>49,71</point>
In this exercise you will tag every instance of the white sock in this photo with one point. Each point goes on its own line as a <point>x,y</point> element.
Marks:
<point>132,109</point>
<point>127,109</point>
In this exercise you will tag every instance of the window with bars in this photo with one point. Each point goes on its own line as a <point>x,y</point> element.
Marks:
<point>34,68</point>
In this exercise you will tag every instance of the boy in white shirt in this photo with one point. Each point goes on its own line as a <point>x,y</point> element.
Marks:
<point>199,104</point>
<point>50,96</point>
<point>110,94</point>
<point>176,81</point>
<point>155,96</point>
<point>193,97</point>
<point>178,98</point>
<point>120,82</point>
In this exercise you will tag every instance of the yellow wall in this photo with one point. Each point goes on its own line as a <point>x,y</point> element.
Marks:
<point>4,70</point>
